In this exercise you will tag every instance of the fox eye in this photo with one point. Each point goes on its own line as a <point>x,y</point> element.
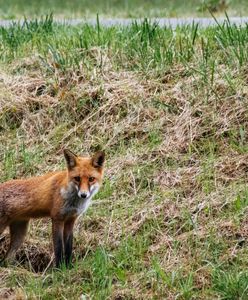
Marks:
<point>77,178</point>
<point>91,179</point>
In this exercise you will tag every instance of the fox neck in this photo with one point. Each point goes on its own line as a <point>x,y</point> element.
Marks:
<point>70,193</point>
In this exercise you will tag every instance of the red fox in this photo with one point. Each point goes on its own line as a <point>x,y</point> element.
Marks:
<point>61,195</point>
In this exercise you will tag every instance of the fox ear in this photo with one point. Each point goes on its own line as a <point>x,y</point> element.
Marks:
<point>71,158</point>
<point>98,159</point>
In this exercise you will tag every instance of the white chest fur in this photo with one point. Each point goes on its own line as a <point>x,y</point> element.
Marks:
<point>73,204</point>
<point>83,206</point>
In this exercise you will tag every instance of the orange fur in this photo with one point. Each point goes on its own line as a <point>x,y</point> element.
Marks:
<point>53,195</point>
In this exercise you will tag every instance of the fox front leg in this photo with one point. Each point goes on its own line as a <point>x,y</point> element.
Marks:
<point>68,240</point>
<point>58,243</point>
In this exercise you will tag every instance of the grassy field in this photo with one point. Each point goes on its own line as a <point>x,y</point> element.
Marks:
<point>127,8</point>
<point>170,110</point>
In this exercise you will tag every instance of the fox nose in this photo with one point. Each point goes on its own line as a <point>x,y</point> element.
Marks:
<point>83,195</point>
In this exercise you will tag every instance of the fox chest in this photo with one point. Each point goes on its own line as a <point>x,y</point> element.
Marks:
<point>76,209</point>
<point>73,205</point>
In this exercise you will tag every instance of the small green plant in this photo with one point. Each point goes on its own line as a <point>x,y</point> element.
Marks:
<point>230,284</point>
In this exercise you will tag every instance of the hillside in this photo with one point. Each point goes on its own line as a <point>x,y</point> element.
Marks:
<point>170,110</point>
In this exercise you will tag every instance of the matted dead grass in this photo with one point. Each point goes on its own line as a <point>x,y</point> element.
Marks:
<point>120,106</point>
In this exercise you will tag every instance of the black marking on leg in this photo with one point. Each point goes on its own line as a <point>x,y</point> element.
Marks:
<point>58,245</point>
<point>68,249</point>
<point>58,251</point>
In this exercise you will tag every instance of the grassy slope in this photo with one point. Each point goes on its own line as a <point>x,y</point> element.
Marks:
<point>112,8</point>
<point>170,109</point>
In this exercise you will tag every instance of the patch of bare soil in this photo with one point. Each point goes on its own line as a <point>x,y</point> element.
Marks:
<point>32,255</point>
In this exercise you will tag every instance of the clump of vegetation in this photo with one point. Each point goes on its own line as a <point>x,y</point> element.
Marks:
<point>170,110</point>
<point>213,5</point>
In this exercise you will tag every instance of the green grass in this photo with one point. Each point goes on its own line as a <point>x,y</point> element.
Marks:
<point>231,284</point>
<point>169,107</point>
<point>127,8</point>
<point>138,47</point>
<point>111,8</point>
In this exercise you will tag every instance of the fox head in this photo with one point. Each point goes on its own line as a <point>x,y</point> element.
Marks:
<point>85,173</point>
